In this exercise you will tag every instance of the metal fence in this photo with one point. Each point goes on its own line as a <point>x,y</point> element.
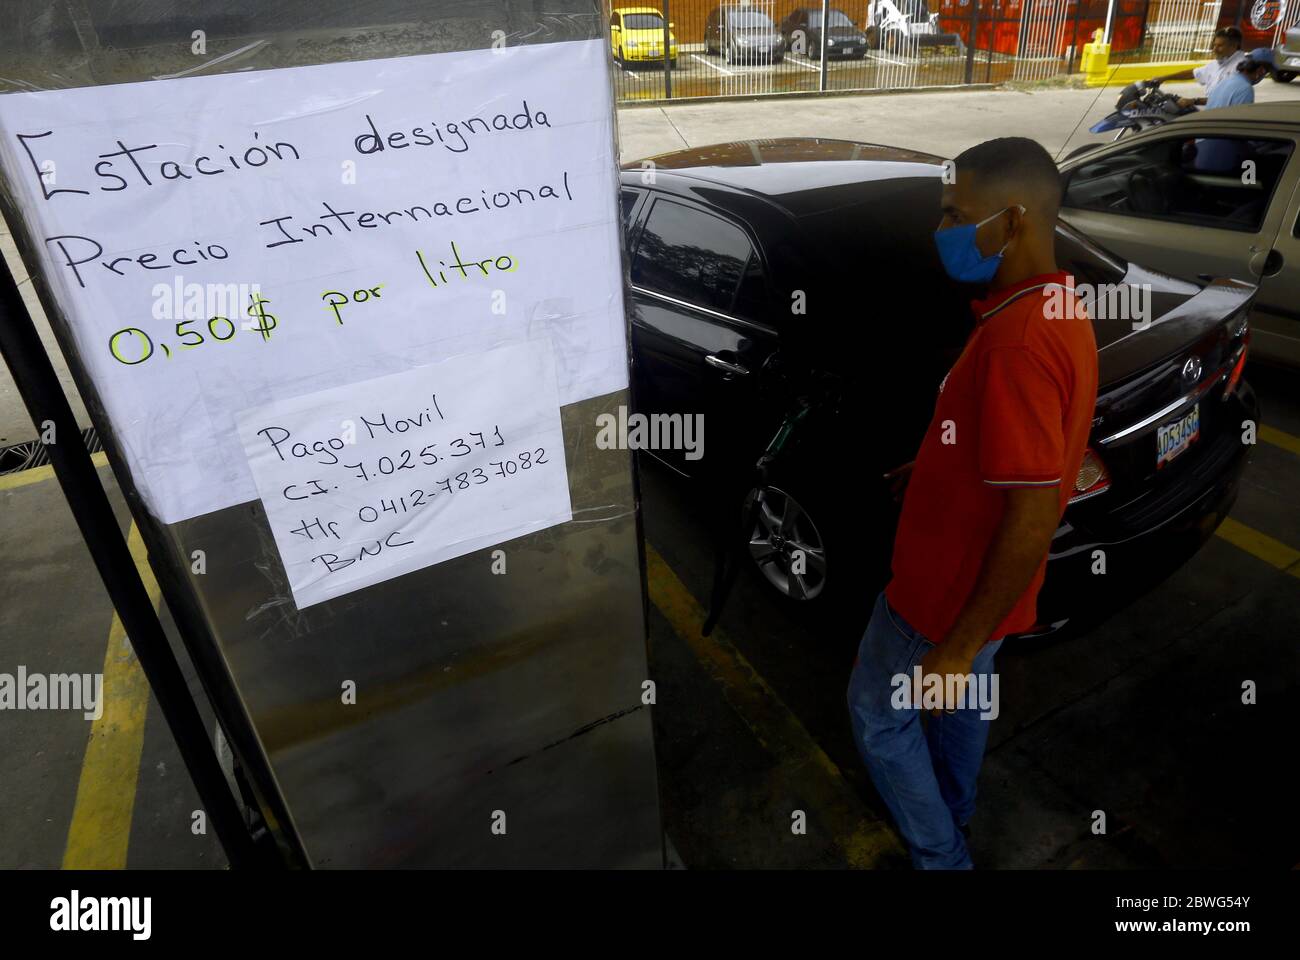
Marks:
<point>709,48</point>
<point>1179,29</point>
<point>753,47</point>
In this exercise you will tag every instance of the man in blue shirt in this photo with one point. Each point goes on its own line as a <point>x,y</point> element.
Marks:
<point>1220,155</point>
<point>1239,88</point>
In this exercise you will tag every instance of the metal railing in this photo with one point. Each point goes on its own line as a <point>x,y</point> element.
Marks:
<point>669,49</point>
<point>1182,29</point>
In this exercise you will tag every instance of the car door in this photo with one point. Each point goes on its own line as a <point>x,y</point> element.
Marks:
<point>1208,204</point>
<point>699,293</point>
<point>1277,306</point>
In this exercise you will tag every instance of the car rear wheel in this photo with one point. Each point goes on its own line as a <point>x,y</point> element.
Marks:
<point>1284,76</point>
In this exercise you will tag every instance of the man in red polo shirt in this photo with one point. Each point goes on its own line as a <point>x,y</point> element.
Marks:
<point>985,495</point>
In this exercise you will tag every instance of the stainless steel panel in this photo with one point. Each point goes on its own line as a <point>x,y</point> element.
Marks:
<point>475,692</point>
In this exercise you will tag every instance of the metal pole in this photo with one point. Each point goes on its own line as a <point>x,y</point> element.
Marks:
<point>826,14</point>
<point>1074,36</point>
<point>21,347</point>
<point>970,46</point>
<point>668,69</point>
<point>1110,15</point>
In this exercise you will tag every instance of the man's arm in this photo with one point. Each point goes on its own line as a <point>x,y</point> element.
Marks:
<point>1030,516</point>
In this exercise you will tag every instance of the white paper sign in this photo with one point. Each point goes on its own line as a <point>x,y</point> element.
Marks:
<point>369,481</point>
<point>221,241</point>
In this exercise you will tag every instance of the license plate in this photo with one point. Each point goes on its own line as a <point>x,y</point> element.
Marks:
<point>1174,438</point>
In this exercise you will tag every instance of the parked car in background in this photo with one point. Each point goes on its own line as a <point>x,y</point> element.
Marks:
<point>1286,57</point>
<point>637,34</point>
<point>802,31</point>
<point>1216,192</point>
<point>762,263</point>
<point>743,36</point>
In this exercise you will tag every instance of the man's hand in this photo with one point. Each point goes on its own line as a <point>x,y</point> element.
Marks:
<point>898,478</point>
<point>1029,519</point>
<point>947,660</point>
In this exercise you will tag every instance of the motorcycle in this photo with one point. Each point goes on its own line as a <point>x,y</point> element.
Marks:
<point>1141,106</point>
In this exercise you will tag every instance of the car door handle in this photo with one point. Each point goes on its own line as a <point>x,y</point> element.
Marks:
<point>726,366</point>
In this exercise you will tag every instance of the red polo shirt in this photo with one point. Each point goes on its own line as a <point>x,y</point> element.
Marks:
<point>1014,411</point>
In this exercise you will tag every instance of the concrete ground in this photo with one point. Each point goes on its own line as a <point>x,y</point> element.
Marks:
<point>941,122</point>
<point>1140,718</point>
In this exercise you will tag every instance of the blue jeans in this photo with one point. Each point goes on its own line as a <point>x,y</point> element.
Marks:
<point>926,777</point>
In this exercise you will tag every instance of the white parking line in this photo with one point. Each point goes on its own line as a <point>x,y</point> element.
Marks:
<point>876,56</point>
<point>712,66</point>
<point>806,64</point>
<point>632,74</point>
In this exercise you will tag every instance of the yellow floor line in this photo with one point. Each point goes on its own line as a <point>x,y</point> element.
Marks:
<point>23,478</point>
<point>1260,545</point>
<point>1279,438</point>
<point>101,819</point>
<point>831,804</point>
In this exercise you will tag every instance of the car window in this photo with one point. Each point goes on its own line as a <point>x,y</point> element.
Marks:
<point>1221,182</point>
<point>629,199</point>
<point>691,255</point>
<point>838,19</point>
<point>643,21</point>
<point>743,19</point>
<point>752,297</point>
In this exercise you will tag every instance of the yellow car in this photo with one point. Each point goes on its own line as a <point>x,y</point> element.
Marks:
<point>637,33</point>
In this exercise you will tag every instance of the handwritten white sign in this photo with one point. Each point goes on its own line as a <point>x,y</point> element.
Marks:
<point>369,481</point>
<point>219,242</point>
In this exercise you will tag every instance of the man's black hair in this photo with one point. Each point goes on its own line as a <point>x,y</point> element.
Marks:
<point>1019,165</point>
<point>1229,33</point>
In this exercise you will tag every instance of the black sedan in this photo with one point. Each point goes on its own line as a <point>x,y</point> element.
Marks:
<point>764,270</point>
<point>802,30</point>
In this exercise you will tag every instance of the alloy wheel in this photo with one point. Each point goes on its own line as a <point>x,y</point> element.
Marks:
<point>786,545</point>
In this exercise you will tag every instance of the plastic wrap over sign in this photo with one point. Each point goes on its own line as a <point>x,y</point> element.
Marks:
<point>249,242</point>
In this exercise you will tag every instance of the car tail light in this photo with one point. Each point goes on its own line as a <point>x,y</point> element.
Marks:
<point>1235,376</point>
<point>1092,479</point>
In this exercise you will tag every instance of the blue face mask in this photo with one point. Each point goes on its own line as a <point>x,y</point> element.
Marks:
<point>961,256</point>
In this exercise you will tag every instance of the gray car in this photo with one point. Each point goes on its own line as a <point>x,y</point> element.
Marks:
<point>1215,193</point>
<point>743,35</point>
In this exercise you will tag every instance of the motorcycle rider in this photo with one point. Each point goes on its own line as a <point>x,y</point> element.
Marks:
<point>1217,154</point>
<point>1226,48</point>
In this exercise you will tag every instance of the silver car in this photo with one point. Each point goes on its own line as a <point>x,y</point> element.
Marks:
<point>1214,193</point>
